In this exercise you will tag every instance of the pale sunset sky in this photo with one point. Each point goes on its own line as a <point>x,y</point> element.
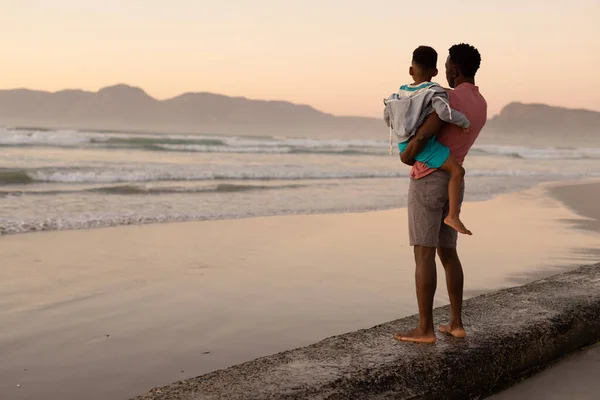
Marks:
<point>342,57</point>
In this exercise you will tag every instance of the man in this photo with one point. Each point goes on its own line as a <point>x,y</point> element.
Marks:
<point>428,197</point>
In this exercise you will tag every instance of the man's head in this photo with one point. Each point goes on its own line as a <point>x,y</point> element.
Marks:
<point>424,64</point>
<point>462,64</point>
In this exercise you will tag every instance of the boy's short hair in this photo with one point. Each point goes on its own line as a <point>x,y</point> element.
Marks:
<point>425,57</point>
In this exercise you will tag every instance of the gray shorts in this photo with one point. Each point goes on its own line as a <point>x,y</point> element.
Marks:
<point>427,208</point>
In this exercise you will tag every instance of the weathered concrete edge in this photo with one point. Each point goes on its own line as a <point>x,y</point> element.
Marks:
<point>512,332</point>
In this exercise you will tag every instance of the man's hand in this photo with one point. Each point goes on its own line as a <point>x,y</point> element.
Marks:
<point>432,125</point>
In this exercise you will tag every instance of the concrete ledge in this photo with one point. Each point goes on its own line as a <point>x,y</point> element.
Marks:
<point>512,332</point>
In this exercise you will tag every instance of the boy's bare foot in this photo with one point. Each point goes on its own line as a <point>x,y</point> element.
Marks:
<point>457,332</point>
<point>456,223</point>
<point>416,336</point>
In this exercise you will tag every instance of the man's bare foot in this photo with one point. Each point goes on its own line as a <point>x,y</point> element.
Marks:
<point>416,336</point>
<point>457,332</point>
<point>456,223</point>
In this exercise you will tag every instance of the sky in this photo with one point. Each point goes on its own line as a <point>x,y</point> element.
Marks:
<point>341,57</point>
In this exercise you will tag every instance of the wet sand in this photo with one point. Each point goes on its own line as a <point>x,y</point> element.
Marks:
<point>583,198</point>
<point>111,313</point>
<point>575,377</point>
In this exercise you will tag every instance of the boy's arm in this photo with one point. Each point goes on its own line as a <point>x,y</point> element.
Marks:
<point>441,104</point>
<point>432,125</point>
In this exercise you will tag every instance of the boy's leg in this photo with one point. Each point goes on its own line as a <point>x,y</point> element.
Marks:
<point>457,174</point>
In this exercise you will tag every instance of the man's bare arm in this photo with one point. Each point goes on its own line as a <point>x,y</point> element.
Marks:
<point>432,125</point>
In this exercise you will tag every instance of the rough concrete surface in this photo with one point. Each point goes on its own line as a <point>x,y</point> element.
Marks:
<point>511,334</point>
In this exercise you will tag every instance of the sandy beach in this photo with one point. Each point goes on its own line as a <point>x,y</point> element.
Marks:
<point>113,312</point>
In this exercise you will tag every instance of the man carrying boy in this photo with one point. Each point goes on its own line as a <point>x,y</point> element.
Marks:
<point>428,196</point>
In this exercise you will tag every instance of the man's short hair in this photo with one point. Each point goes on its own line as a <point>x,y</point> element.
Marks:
<point>425,57</point>
<point>466,58</point>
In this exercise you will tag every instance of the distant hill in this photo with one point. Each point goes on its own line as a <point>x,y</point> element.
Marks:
<point>544,120</point>
<point>123,107</point>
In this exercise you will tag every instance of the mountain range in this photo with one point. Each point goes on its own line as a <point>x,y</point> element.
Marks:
<point>123,107</point>
<point>542,119</point>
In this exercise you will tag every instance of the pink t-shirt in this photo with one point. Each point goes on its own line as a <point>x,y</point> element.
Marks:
<point>466,99</point>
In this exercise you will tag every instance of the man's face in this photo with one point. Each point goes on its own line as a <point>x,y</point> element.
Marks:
<point>451,72</point>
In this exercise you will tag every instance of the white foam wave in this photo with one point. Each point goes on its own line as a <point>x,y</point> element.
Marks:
<point>111,176</point>
<point>538,153</point>
<point>43,138</point>
<point>225,149</point>
<point>274,145</point>
<point>143,175</point>
<point>173,142</point>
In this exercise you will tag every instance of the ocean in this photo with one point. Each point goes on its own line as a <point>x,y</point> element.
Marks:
<point>69,179</point>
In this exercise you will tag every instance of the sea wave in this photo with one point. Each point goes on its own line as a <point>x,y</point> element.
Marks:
<point>15,176</point>
<point>256,145</point>
<point>537,153</point>
<point>15,226</point>
<point>145,190</point>
<point>188,143</point>
<point>104,176</point>
<point>220,188</point>
<point>107,176</point>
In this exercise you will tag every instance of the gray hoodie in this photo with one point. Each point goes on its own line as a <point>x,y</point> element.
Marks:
<point>406,110</point>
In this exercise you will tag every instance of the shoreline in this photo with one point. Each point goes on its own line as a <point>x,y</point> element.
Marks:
<point>553,190</point>
<point>116,311</point>
<point>108,225</point>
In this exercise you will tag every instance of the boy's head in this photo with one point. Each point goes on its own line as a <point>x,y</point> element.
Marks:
<point>424,64</point>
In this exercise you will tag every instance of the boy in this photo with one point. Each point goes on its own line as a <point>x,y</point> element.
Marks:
<point>406,110</point>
